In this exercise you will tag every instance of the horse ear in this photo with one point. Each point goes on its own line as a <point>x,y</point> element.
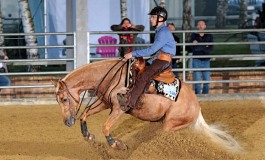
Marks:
<point>60,83</point>
<point>54,83</point>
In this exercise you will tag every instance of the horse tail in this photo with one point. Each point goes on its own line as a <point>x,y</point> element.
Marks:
<point>216,134</point>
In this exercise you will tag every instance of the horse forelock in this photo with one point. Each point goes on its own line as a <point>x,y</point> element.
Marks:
<point>58,88</point>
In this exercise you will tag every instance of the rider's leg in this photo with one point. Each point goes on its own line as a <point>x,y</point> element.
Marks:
<point>156,67</point>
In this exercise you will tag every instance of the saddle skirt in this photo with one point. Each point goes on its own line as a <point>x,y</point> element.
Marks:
<point>169,90</point>
<point>164,83</point>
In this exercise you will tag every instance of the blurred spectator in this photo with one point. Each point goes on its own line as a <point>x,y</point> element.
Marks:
<point>201,62</point>
<point>4,80</point>
<point>175,61</point>
<point>126,38</point>
<point>258,23</point>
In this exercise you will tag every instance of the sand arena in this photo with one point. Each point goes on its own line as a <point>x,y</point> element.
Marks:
<point>33,132</point>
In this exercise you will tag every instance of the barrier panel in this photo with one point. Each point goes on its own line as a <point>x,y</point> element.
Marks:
<point>224,79</point>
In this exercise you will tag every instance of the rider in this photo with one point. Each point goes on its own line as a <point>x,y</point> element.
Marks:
<point>162,50</point>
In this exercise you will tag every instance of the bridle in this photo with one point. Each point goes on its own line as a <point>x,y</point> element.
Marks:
<point>68,92</point>
<point>89,104</point>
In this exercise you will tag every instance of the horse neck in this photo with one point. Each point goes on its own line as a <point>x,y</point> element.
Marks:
<point>89,76</point>
<point>81,82</point>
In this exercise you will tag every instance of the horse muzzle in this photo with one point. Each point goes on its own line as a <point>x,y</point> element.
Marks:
<point>70,121</point>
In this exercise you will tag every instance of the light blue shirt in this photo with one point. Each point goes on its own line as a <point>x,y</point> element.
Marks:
<point>164,41</point>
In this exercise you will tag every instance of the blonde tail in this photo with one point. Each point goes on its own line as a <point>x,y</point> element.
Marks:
<point>216,134</point>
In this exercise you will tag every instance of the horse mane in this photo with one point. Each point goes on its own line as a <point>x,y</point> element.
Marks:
<point>85,69</point>
<point>80,75</point>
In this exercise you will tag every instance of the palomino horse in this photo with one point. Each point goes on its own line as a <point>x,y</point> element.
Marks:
<point>107,78</point>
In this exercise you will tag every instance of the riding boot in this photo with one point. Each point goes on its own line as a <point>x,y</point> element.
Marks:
<point>131,99</point>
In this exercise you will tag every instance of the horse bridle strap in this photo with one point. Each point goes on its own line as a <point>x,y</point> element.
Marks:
<point>68,92</point>
<point>88,107</point>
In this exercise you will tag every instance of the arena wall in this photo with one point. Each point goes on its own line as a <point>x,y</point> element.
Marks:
<point>215,88</point>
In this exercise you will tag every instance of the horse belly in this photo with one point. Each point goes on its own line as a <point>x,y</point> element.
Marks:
<point>153,108</point>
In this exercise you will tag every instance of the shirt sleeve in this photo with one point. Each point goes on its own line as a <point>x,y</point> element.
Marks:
<point>158,44</point>
<point>209,48</point>
<point>191,38</point>
<point>139,28</point>
<point>202,48</point>
<point>116,28</point>
<point>197,47</point>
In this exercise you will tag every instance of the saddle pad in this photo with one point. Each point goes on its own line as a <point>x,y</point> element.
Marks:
<point>169,90</point>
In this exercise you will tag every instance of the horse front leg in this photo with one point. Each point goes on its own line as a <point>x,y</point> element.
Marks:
<point>112,119</point>
<point>86,134</point>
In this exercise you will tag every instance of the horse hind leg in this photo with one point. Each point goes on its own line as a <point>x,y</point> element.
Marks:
<point>180,116</point>
<point>176,123</point>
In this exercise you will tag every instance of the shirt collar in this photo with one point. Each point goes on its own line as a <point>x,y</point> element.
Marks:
<point>159,28</point>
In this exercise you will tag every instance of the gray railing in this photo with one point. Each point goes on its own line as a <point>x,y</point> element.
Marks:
<point>38,62</point>
<point>185,57</point>
<point>184,70</point>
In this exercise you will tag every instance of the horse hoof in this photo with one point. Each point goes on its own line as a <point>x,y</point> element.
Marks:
<point>91,137</point>
<point>119,145</point>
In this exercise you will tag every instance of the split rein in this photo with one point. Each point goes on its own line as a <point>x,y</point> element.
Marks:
<point>88,106</point>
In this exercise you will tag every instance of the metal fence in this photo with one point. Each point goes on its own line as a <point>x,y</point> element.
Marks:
<point>184,58</point>
<point>37,62</point>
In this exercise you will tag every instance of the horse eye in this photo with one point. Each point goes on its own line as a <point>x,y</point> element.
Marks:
<point>65,100</point>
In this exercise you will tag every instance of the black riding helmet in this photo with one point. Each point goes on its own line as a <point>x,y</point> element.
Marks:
<point>160,12</point>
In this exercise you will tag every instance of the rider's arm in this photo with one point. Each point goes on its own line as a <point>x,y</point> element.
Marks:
<point>160,40</point>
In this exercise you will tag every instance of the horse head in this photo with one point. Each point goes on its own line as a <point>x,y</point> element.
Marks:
<point>67,101</point>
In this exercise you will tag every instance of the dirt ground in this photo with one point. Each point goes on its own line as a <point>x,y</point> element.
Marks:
<point>38,132</point>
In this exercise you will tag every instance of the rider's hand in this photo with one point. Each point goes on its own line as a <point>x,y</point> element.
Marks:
<point>128,56</point>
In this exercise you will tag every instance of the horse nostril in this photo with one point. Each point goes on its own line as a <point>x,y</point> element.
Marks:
<point>69,122</point>
<point>66,122</point>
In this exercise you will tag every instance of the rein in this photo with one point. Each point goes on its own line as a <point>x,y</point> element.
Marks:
<point>88,106</point>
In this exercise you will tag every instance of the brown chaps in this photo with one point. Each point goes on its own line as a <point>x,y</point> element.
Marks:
<point>144,79</point>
